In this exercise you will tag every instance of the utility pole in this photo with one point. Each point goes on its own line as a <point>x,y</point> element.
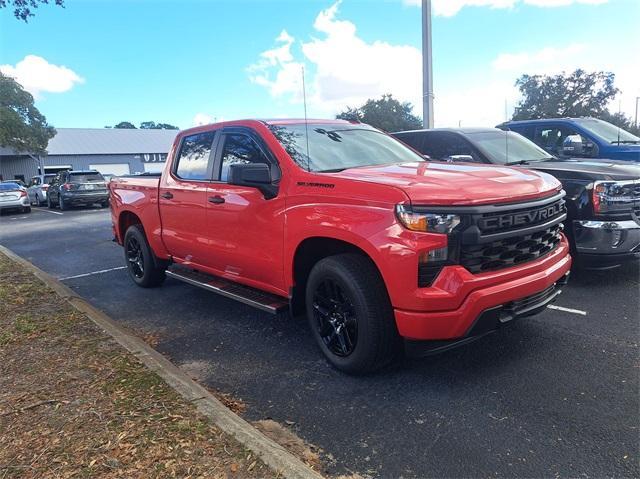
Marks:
<point>427,64</point>
<point>637,98</point>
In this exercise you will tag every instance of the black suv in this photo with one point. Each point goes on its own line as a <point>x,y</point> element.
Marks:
<point>77,188</point>
<point>603,196</point>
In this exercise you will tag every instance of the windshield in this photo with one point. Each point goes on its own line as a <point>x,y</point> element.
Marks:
<point>607,131</point>
<point>508,147</point>
<point>337,147</point>
<point>9,186</point>
<point>85,177</point>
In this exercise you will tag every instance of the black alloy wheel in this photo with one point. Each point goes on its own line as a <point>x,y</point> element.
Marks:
<point>336,321</point>
<point>135,257</point>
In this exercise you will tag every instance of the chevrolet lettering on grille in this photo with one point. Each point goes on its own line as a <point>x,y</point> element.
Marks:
<point>524,218</point>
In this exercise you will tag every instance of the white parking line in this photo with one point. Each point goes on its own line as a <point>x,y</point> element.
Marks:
<point>567,310</point>
<point>49,211</point>
<point>92,273</point>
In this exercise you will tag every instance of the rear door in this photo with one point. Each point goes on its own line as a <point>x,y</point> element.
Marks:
<point>183,198</point>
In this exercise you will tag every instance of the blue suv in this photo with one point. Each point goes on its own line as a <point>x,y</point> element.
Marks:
<point>579,138</point>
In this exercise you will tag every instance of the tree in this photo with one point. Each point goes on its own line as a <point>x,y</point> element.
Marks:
<point>152,125</point>
<point>387,113</point>
<point>125,125</point>
<point>575,94</point>
<point>22,126</point>
<point>22,9</point>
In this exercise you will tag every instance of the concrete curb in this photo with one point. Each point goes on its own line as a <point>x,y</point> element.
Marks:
<point>271,453</point>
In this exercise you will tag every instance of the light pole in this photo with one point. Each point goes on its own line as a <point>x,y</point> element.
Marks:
<point>427,76</point>
<point>637,98</point>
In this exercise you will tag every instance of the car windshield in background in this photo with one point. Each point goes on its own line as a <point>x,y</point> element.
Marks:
<point>85,177</point>
<point>507,147</point>
<point>9,186</point>
<point>338,147</point>
<point>607,131</point>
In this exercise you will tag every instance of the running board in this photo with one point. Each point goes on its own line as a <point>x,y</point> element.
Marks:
<point>253,297</point>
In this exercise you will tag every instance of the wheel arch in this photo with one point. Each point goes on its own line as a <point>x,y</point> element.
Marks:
<point>307,253</point>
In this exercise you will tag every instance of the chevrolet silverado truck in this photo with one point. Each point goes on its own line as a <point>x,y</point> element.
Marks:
<point>344,223</point>
<point>603,196</point>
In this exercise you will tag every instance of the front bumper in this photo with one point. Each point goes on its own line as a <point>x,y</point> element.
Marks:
<point>606,243</point>
<point>489,295</point>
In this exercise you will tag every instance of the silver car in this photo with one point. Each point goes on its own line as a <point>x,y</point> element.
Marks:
<point>14,197</point>
<point>37,189</point>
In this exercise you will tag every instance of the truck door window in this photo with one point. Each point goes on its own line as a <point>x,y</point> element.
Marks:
<point>443,146</point>
<point>193,160</point>
<point>240,149</point>
<point>552,139</point>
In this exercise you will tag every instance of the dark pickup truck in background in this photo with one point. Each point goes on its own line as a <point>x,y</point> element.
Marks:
<point>579,138</point>
<point>603,197</point>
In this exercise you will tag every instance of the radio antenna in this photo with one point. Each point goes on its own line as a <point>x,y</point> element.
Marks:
<point>306,124</point>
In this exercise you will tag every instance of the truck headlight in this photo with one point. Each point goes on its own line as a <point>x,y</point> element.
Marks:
<point>614,196</point>
<point>427,222</point>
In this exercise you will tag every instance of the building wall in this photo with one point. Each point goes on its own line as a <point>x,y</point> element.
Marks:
<point>11,166</point>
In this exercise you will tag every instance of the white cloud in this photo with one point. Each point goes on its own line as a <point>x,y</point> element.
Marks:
<point>37,75</point>
<point>545,60</point>
<point>342,68</point>
<point>204,119</point>
<point>449,8</point>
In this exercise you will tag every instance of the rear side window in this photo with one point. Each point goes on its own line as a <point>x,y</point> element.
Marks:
<point>85,177</point>
<point>240,149</point>
<point>9,186</point>
<point>193,160</point>
<point>442,145</point>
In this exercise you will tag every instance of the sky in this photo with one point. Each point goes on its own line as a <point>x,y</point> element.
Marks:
<point>98,62</point>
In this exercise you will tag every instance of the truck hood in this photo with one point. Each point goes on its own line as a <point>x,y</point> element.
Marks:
<point>596,169</point>
<point>451,184</point>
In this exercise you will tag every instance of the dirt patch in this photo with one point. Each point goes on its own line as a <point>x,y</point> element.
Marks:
<point>75,404</point>
<point>309,454</point>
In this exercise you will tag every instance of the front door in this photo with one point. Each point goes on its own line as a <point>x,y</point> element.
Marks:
<point>183,199</point>
<point>245,230</point>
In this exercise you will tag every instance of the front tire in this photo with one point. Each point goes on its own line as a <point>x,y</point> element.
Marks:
<point>350,314</point>
<point>62,204</point>
<point>49,204</point>
<point>144,269</point>
<point>26,209</point>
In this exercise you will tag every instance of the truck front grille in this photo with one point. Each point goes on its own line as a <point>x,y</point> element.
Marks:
<point>478,258</point>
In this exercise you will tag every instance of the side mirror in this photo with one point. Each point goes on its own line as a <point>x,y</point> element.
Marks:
<point>572,146</point>
<point>458,158</point>
<point>256,175</point>
<point>426,157</point>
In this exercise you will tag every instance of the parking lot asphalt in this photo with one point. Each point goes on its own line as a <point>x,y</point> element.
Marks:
<point>552,395</point>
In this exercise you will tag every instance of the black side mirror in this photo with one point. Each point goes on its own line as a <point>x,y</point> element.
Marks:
<point>256,175</point>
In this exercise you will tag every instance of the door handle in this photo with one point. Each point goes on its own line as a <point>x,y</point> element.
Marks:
<point>167,195</point>
<point>216,199</point>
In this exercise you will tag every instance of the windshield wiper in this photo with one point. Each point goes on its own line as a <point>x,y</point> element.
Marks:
<point>332,170</point>
<point>631,142</point>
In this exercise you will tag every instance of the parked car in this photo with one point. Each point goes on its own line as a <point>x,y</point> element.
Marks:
<point>343,222</point>
<point>14,197</point>
<point>18,181</point>
<point>38,187</point>
<point>603,197</point>
<point>77,188</point>
<point>579,137</point>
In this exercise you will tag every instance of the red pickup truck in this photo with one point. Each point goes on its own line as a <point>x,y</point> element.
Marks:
<point>345,223</point>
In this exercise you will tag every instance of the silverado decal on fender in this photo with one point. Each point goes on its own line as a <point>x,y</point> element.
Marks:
<point>319,185</point>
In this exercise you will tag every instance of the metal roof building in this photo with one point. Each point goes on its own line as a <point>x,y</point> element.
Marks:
<point>108,150</point>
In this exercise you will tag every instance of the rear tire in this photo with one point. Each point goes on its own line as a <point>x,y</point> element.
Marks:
<point>144,269</point>
<point>350,314</point>
<point>49,204</point>
<point>26,209</point>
